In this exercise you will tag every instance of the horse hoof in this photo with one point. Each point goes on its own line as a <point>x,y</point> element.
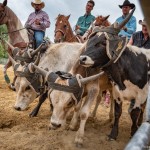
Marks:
<point>109,138</point>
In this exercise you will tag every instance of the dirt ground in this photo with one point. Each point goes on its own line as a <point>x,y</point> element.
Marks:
<point>20,132</point>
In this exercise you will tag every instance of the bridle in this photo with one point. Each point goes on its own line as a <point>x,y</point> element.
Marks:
<point>63,34</point>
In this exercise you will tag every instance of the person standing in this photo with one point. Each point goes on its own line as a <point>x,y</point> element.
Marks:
<point>38,21</point>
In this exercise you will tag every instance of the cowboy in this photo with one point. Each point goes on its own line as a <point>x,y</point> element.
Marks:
<point>141,38</point>
<point>38,21</point>
<point>85,21</point>
<point>130,27</point>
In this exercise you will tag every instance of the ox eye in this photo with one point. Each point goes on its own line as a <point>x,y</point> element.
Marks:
<point>70,104</point>
<point>27,88</point>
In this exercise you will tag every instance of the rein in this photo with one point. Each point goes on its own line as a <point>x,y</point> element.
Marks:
<point>13,31</point>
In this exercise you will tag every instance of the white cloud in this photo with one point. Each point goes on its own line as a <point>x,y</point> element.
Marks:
<point>76,8</point>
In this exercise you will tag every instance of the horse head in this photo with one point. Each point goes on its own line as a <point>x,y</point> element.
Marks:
<point>102,21</point>
<point>3,13</point>
<point>62,27</point>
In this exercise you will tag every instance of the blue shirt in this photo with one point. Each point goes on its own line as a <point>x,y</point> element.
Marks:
<point>131,26</point>
<point>84,22</point>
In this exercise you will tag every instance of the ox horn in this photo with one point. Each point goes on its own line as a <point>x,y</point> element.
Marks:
<point>40,70</point>
<point>12,60</point>
<point>37,59</point>
<point>5,3</point>
<point>36,51</point>
<point>122,24</point>
<point>91,78</point>
<point>11,46</point>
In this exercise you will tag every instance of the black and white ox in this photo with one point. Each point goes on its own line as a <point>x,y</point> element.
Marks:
<point>127,67</point>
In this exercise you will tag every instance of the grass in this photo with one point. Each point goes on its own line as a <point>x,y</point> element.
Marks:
<point>3,60</point>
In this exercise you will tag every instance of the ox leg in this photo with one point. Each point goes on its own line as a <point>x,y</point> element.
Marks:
<point>135,114</point>
<point>140,120</point>
<point>111,112</point>
<point>117,113</point>
<point>98,100</point>
<point>36,109</point>
<point>84,113</point>
<point>74,120</point>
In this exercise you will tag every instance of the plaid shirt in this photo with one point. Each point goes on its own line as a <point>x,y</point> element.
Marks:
<point>139,41</point>
<point>44,20</point>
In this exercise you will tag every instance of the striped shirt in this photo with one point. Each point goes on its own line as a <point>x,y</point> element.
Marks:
<point>139,41</point>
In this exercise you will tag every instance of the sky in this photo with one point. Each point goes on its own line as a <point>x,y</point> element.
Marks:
<point>22,8</point>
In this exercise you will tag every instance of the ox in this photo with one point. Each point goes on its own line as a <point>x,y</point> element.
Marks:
<point>57,57</point>
<point>127,67</point>
<point>65,93</point>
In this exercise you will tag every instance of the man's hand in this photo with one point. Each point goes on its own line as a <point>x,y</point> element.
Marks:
<point>37,22</point>
<point>77,27</point>
<point>124,28</point>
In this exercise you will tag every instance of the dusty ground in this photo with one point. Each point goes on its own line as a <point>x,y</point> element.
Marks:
<point>20,132</point>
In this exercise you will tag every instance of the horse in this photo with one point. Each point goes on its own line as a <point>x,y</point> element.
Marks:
<point>18,36</point>
<point>64,33</point>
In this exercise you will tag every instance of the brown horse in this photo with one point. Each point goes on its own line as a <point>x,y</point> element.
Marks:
<point>64,33</point>
<point>18,36</point>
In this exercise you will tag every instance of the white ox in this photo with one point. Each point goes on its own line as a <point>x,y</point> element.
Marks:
<point>58,57</point>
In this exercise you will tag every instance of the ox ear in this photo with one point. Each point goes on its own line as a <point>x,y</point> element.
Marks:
<point>105,18</point>
<point>68,17</point>
<point>115,47</point>
<point>5,3</point>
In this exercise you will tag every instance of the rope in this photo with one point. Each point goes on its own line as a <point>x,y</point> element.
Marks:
<point>13,31</point>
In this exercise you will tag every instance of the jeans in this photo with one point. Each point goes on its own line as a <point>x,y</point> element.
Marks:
<point>38,35</point>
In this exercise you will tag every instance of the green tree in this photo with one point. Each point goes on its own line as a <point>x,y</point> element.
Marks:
<point>3,46</point>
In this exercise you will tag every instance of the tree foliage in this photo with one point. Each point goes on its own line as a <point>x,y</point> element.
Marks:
<point>3,46</point>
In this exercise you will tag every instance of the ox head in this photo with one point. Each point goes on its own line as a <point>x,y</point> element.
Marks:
<point>65,92</point>
<point>24,55</point>
<point>3,17</point>
<point>27,84</point>
<point>61,28</point>
<point>104,46</point>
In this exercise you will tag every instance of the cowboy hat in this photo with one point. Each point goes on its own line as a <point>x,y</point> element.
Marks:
<point>37,2</point>
<point>142,22</point>
<point>127,3</point>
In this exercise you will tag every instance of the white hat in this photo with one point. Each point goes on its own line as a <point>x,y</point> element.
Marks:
<point>38,2</point>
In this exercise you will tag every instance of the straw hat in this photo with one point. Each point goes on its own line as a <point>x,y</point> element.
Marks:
<point>127,3</point>
<point>37,2</point>
<point>142,22</point>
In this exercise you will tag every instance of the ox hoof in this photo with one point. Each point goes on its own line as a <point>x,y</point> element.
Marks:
<point>109,138</point>
<point>32,114</point>
<point>79,145</point>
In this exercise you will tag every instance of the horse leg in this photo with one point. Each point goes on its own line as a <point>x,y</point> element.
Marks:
<point>7,65</point>
<point>36,109</point>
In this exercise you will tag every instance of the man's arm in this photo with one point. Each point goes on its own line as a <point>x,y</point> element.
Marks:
<point>46,22</point>
<point>132,27</point>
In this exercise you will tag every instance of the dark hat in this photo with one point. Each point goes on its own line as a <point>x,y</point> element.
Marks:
<point>142,22</point>
<point>127,3</point>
